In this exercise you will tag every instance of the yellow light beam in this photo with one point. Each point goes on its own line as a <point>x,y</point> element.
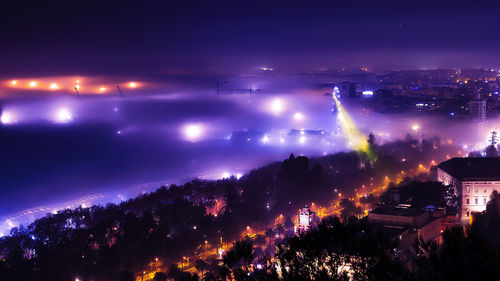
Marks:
<point>349,128</point>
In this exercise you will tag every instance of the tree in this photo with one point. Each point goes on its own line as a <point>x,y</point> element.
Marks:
<point>491,150</point>
<point>270,235</point>
<point>238,259</point>
<point>259,240</point>
<point>349,209</point>
<point>279,229</point>
<point>460,252</point>
<point>178,275</point>
<point>160,276</point>
<point>339,251</point>
<point>289,223</point>
<point>201,265</point>
<point>372,145</point>
<point>368,200</point>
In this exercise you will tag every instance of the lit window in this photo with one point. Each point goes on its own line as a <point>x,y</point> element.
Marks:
<point>484,200</point>
<point>475,201</point>
<point>485,189</point>
<point>475,189</point>
<point>468,188</point>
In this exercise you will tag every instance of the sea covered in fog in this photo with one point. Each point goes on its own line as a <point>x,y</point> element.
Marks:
<point>60,150</point>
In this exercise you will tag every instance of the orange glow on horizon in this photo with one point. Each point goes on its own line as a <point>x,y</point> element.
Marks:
<point>93,85</point>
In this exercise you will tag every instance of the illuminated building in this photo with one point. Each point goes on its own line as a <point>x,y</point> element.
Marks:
<point>348,89</point>
<point>398,216</point>
<point>477,110</point>
<point>306,220</point>
<point>473,180</point>
<point>406,224</point>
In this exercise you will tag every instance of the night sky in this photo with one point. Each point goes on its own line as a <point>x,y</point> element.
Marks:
<point>186,37</point>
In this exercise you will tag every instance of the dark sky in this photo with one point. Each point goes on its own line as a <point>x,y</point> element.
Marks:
<point>157,37</point>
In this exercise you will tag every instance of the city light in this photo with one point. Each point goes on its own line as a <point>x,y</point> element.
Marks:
<point>183,133</point>
<point>265,139</point>
<point>6,118</point>
<point>63,115</point>
<point>298,116</point>
<point>277,106</point>
<point>193,132</point>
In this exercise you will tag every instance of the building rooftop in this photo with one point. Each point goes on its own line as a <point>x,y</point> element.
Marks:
<point>394,211</point>
<point>473,168</point>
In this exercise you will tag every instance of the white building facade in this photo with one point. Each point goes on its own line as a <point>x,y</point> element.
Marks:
<point>305,221</point>
<point>473,180</point>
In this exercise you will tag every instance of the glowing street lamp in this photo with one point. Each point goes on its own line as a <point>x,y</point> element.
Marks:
<point>265,139</point>
<point>298,116</point>
<point>63,115</point>
<point>277,106</point>
<point>193,132</point>
<point>32,84</point>
<point>53,86</point>
<point>132,84</point>
<point>13,82</point>
<point>6,118</point>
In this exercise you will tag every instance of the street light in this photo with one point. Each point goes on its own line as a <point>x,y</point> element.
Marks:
<point>183,259</point>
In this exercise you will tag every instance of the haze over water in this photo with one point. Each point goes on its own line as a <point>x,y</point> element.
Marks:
<point>59,150</point>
